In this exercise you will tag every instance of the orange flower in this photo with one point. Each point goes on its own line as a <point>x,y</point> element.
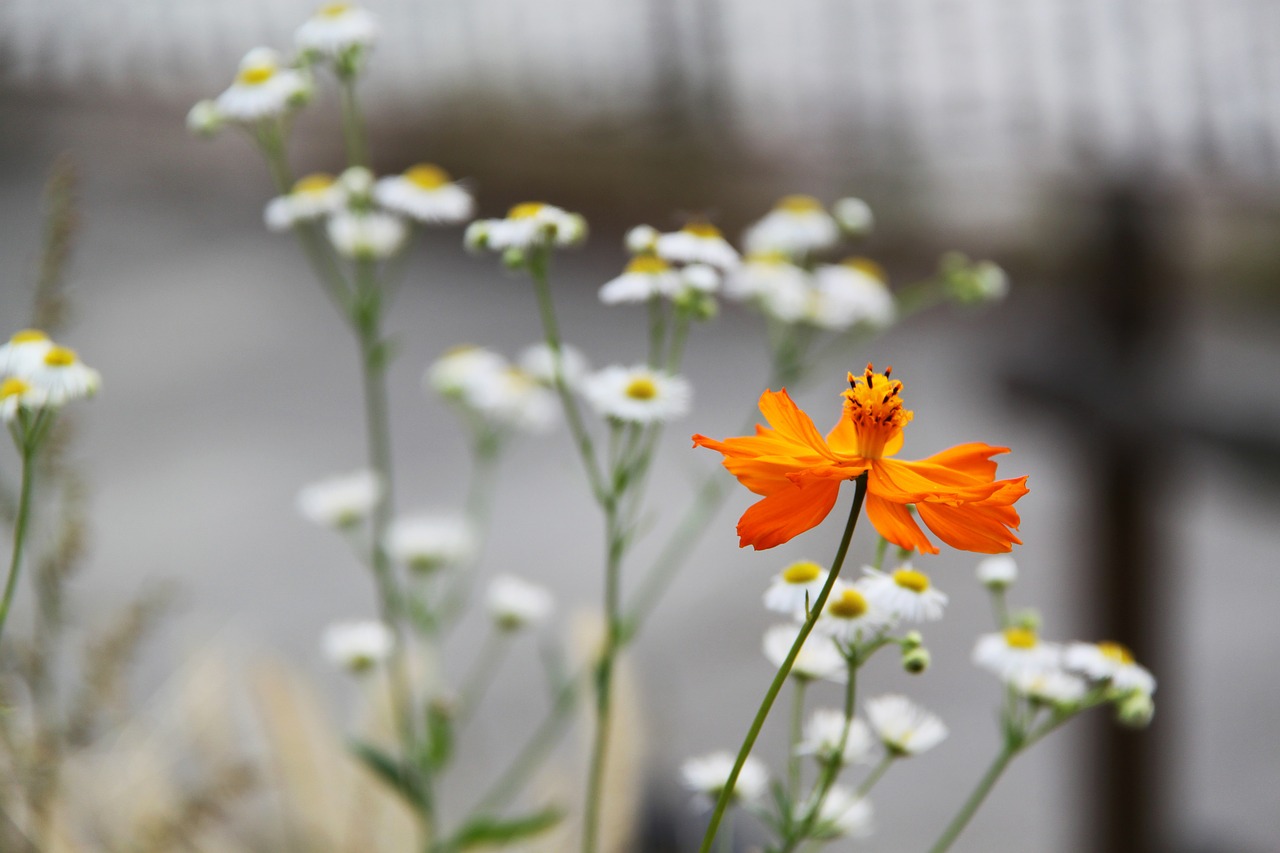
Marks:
<point>798,472</point>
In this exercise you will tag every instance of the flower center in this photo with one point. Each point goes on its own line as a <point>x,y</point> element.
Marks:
<point>911,579</point>
<point>334,10</point>
<point>60,357</point>
<point>701,229</point>
<point>648,265</point>
<point>255,75</point>
<point>1116,653</point>
<point>867,266</point>
<point>427,176</point>
<point>773,258</point>
<point>527,210</point>
<point>874,404</point>
<point>850,605</point>
<point>642,388</point>
<point>1020,638</point>
<point>12,387</point>
<point>805,571</point>
<point>28,336</point>
<point>799,204</point>
<point>314,183</point>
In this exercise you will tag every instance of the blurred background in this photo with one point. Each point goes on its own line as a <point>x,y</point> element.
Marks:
<point>1120,158</point>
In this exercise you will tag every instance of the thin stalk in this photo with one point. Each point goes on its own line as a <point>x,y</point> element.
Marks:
<point>766,705</point>
<point>533,754</point>
<point>551,331</point>
<point>882,547</point>
<point>482,672</point>
<point>793,760</point>
<point>657,330</point>
<point>832,768</point>
<point>985,784</point>
<point>679,335</point>
<point>352,126</point>
<point>19,529</point>
<point>874,776</point>
<point>1000,607</point>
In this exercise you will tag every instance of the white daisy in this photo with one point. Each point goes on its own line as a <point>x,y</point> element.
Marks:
<point>773,284</point>
<point>514,398</point>
<point>262,88</point>
<point>903,726</point>
<point>818,658</point>
<point>1050,686</point>
<point>702,278</point>
<point>708,774</point>
<point>527,225</point>
<point>998,572</point>
<point>358,183</point>
<point>16,394</point>
<point>336,28</point>
<point>357,646</point>
<point>795,587</point>
<point>429,542</point>
<point>1111,662</point>
<point>645,276</point>
<point>24,352</point>
<point>904,593</point>
<point>849,616</point>
<point>425,193</point>
<point>1014,651</point>
<point>61,377</point>
<point>854,215</point>
<point>538,362</point>
<point>850,293</point>
<point>369,236</point>
<point>637,394</point>
<point>824,732</point>
<point>798,225</point>
<point>642,240</point>
<point>456,372</point>
<point>311,197</point>
<point>842,814</point>
<point>514,603</point>
<point>697,243</point>
<point>341,501</point>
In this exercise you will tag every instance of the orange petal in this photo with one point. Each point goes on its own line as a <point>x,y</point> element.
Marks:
<point>893,522</point>
<point>786,514</point>
<point>964,475</point>
<point>790,422</point>
<point>982,529</point>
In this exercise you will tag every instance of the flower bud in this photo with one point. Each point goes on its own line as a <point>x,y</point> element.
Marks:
<point>204,119</point>
<point>998,573</point>
<point>917,660</point>
<point>513,258</point>
<point>1135,710</point>
<point>476,237</point>
<point>1028,620</point>
<point>912,640</point>
<point>854,216</point>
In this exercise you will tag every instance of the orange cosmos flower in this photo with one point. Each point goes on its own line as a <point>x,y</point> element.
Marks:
<point>798,472</point>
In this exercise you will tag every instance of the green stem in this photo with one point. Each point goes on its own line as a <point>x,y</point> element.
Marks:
<point>882,547</point>
<point>793,760</point>
<point>352,126</point>
<point>482,673</point>
<point>1000,607</point>
<point>985,784</point>
<point>874,776</point>
<point>831,769</point>
<point>679,335</point>
<point>19,529</point>
<point>783,671</point>
<point>657,330</point>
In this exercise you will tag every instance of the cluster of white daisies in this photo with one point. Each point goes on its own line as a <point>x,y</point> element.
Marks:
<point>425,544</point>
<point>39,376</point>
<point>858,616</point>
<point>1064,677</point>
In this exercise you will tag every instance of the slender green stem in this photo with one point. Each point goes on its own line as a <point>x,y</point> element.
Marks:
<point>19,529</point>
<point>962,818</point>
<point>882,547</point>
<point>352,126</point>
<point>783,671</point>
<point>1000,607</point>
<point>657,330</point>
<point>482,672</point>
<point>874,776</point>
<point>679,335</point>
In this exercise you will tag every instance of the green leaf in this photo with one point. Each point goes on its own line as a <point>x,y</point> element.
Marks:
<point>401,777</point>
<point>486,830</point>
<point>439,736</point>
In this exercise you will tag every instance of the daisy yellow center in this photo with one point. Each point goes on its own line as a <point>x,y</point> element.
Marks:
<point>1020,638</point>
<point>1116,653</point>
<point>60,357</point>
<point>867,266</point>
<point>255,75</point>
<point>849,605</point>
<point>527,210</point>
<point>911,579</point>
<point>772,257</point>
<point>313,183</point>
<point>12,387</point>
<point>28,336</point>
<point>648,265</point>
<point>874,404</point>
<point>334,10</point>
<point>427,176</point>
<point>642,388</point>
<point>701,229</point>
<point>802,572</point>
<point>799,204</point>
